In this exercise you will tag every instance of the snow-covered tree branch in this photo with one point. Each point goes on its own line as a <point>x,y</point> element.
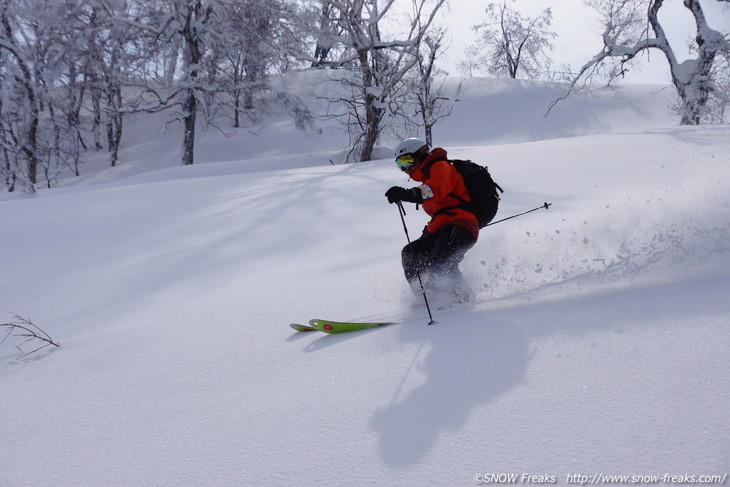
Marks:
<point>25,331</point>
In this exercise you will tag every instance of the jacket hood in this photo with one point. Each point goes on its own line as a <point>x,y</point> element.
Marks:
<point>438,154</point>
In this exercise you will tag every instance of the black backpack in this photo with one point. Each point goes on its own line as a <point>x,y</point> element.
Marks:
<point>482,190</point>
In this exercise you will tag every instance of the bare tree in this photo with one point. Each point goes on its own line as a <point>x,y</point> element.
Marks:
<point>69,69</point>
<point>22,133</point>
<point>428,90</point>
<point>191,16</point>
<point>631,29</point>
<point>260,32</point>
<point>55,56</point>
<point>375,66</point>
<point>227,49</point>
<point>329,29</point>
<point>512,44</point>
<point>7,162</point>
<point>111,60</point>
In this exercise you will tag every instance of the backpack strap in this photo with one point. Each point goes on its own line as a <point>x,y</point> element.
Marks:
<point>426,170</point>
<point>464,204</point>
<point>449,209</point>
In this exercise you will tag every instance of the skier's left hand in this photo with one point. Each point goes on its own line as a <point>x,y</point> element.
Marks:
<point>397,194</point>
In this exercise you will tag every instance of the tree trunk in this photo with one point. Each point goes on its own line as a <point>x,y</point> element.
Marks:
<point>190,107</point>
<point>693,86</point>
<point>115,124</point>
<point>373,113</point>
<point>29,149</point>
<point>96,120</point>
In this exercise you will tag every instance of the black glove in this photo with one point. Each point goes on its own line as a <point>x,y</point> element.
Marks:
<point>396,194</point>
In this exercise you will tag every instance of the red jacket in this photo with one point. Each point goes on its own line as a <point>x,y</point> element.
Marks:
<point>441,179</point>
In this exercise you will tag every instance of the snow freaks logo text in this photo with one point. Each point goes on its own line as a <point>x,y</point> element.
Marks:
<point>514,478</point>
<point>600,479</point>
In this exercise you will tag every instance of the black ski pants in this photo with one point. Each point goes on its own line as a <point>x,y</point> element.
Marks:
<point>439,253</point>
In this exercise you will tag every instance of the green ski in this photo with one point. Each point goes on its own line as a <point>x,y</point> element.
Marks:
<point>328,326</point>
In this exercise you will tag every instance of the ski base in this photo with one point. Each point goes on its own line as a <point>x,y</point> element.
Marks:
<point>302,328</point>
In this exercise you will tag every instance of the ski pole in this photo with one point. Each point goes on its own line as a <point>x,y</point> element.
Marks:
<point>402,213</point>
<point>546,206</point>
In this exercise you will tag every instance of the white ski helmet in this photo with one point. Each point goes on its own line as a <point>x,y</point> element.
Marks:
<point>411,146</point>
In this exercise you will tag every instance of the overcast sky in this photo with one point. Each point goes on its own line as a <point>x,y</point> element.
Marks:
<point>579,32</point>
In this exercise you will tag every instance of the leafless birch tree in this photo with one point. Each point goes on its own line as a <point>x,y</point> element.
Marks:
<point>632,27</point>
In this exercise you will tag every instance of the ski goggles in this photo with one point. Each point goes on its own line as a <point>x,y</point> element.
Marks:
<point>405,161</point>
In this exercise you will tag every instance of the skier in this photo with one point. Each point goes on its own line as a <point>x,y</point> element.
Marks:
<point>436,255</point>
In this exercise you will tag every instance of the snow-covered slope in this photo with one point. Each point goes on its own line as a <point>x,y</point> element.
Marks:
<point>597,343</point>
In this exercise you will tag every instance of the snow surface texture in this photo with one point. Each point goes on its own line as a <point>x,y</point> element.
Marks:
<point>597,342</point>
